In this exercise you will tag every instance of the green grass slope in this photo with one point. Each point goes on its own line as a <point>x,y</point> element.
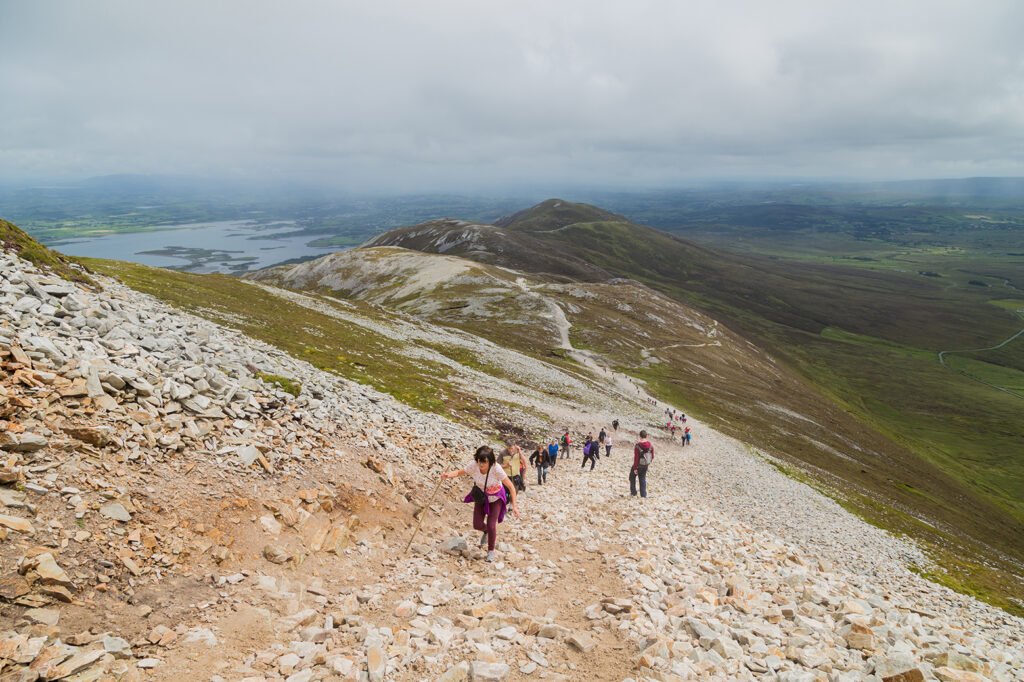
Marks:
<point>15,240</point>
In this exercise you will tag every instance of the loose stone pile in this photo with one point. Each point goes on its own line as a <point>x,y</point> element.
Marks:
<point>99,391</point>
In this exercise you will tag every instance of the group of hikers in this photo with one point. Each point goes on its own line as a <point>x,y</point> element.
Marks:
<point>682,428</point>
<point>498,478</point>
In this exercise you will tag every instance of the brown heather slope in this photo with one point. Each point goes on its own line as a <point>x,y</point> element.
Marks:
<point>492,245</point>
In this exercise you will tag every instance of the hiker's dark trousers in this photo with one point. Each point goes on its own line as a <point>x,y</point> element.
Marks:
<point>486,518</point>
<point>641,473</point>
<point>518,482</point>
<point>592,461</point>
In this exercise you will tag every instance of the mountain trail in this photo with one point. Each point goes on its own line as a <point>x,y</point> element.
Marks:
<point>169,515</point>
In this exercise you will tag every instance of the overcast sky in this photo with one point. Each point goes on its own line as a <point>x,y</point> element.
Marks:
<point>468,94</point>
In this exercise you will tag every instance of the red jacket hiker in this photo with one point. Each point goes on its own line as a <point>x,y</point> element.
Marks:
<point>636,452</point>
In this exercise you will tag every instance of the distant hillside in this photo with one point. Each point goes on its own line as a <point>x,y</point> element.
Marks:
<point>555,214</point>
<point>492,245</point>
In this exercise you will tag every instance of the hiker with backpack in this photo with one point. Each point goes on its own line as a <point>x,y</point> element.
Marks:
<point>541,460</point>
<point>516,466</point>
<point>488,495</point>
<point>566,443</point>
<point>615,424</point>
<point>607,445</point>
<point>588,453</point>
<point>643,455</point>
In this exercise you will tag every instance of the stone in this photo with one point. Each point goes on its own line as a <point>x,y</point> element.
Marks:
<point>270,524</point>
<point>553,631</point>
<point>727,648</point>
<point>201,636</point>
<point>43,616</point>
<point>945,674</point>
<point>457,673</point>
<point>275,554</point>
<point>342,665</point>
<point>376,663</point>
<point>24,442</point>
<point>482,671</point>
<point>162,635</point>
<point>406,609</point>
<point>48,570</point>
<point>16,523</point>
<point>116,511</point>
<point>117,646</point>
<point>79,661</point>
<point>456,546</point>
<point>958,661</point>
<point>247,454</point>
<point>582,642</point>
<point>893,666</point>
<point>95,436</point>
<point>912,675</point>
<point>12,498</point>
<point>860,637</point>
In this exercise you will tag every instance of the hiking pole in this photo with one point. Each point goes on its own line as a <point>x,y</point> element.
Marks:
<point>422,514</point>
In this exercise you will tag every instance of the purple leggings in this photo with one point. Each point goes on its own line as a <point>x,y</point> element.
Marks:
<point>492,521</point>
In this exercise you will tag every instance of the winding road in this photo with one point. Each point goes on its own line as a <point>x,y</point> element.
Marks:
<point>944,353</point>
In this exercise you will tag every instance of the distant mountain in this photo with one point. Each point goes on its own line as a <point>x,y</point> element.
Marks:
<point>493,245</point>
<point>554,214</point>
<point>802,296</point>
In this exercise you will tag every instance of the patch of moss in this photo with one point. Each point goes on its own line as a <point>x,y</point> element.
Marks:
<point>14,239</point>
<point>285,384</point>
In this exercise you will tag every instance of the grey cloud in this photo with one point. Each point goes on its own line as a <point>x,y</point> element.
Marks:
<point>459,94</point>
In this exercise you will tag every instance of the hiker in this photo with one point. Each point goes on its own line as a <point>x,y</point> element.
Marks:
<point>608,445</point>
<point>601,436</point>
<point>542,460</point>
<point>552,452</point>
<point>595,447</point>
<point>516,466</point>
<point>588,453</point>
<point>643,455</point>
<point>615,424</point>
<point>488,495</point>
<point>566,442</point>
<point>686,436</point>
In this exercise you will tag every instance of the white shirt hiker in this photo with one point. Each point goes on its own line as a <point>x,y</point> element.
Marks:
<point>494,478</point>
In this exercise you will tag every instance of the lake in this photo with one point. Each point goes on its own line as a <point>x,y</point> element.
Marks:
<point>231,246</point>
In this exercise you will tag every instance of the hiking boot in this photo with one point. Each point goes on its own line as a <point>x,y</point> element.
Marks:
<point>490,556</point>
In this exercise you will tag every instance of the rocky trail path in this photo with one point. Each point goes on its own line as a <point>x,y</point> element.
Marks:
<point>726,572</point>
